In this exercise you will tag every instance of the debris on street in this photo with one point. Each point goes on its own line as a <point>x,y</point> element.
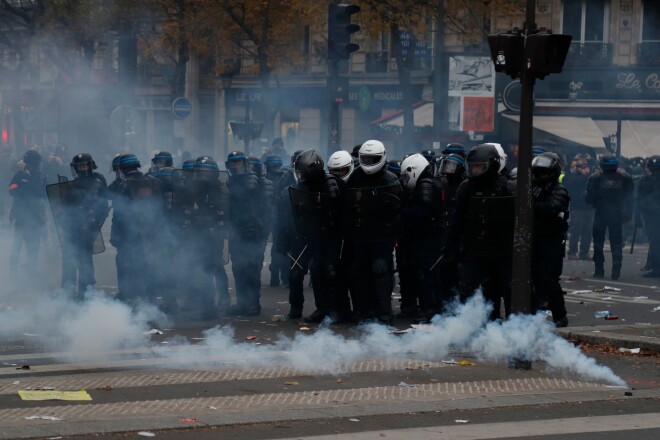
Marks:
<point>630,350</point>
<point>42,418</point>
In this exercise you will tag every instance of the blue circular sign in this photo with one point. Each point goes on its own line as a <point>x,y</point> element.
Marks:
<point>181,108</point>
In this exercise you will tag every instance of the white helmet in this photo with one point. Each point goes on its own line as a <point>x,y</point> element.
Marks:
<point>501,153</point>
<point>411,168</point>
<point>341,165</point>
<point>372,156</point>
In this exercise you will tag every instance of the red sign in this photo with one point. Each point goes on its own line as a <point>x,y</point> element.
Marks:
<point>478,114</point>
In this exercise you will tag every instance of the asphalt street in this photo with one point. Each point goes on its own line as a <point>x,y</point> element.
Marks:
<point>182,385</point>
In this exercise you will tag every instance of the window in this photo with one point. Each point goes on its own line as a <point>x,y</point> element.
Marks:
<point>586,20</point>
<point>651,21</point>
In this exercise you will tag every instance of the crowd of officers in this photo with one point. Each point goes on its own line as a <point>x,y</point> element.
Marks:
<point>444,223</point>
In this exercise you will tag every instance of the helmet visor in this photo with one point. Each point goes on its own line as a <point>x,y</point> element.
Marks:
<point>370,159</point>
<point>341,172</point>
<point>542,162</point>
<point>449,166</point>
<point>476,169</point>
<point>236,167</point>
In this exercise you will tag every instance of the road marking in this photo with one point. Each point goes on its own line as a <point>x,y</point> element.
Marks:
<point>599,297</point>
<point>532,429</point>
<point>608,282</point>
<point>206,407</point>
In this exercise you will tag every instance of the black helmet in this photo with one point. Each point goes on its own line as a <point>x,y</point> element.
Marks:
<point>428,155</point>
<point>82,165</point>
<point>237,163</point>
<point>394,166</point>
<point>129,161</point>
<point>452,165</point>
<point>546,168</point>
<point>309,166</point>
<point>32,158</point>
<point>206,168</point>
<point>454,148</point>
<point>483,161</point>
<point>608,162</point>
<point>162,158</point>
<point>165,175</point>
<point>114,166</point>
<point>294,155</point>
<point>273,163</point>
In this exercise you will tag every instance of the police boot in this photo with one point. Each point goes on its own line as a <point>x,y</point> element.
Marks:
<point>616,271</point>
<point>599,272</point>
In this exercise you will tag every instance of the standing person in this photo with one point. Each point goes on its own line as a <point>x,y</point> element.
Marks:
<point>246,233</point>
<point>279,267</point>
<point>84,209</point>
<point>648,194</point>
<point>422,214</point>
<point>160,160</point>
<point>28,212</point>
<point>315,200</point>
<point>483,223</point>
<point>610,191</point>
<point>582,214</point>
<point>551,201</point>
<point>372,220</point>
<point>137,207</point>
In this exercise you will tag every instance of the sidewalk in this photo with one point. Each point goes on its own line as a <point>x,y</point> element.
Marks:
<point>645,336</point>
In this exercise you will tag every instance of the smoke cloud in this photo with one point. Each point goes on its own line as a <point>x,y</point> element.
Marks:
<point>94,328</point>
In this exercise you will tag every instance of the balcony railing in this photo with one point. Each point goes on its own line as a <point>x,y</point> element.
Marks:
<point>648,53</point>
<point>589,54</point>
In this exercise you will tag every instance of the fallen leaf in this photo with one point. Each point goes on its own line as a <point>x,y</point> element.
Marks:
<point>189,420</point>
<point>292,383</point>
<point>250,338</point>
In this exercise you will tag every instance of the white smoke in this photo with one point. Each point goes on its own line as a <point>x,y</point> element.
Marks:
<point>97,326</point>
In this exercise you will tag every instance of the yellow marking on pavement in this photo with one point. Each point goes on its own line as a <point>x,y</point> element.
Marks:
<point>54,395</point>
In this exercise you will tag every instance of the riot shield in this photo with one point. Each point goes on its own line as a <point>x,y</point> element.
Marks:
<point>57,195</point>
<point>315,215</point>
<point>489,226</point>
<point>372,214</point>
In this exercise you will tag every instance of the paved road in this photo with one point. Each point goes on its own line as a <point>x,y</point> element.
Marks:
<point>222,385</point>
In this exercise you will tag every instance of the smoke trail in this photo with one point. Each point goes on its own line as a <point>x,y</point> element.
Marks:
<point>100,325</point>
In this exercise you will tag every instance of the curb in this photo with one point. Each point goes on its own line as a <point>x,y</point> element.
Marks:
<point>643,336</point>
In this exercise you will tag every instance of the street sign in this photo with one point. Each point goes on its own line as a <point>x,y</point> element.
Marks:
<point>181,108</point>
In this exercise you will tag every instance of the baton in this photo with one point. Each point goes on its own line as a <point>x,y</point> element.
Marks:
<point>437,261</point>
<point>632,243</point>
<point>295,262</point>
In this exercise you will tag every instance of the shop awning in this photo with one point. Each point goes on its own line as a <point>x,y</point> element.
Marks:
<point>638,138</point>
<point>578,130</point>
<point>422,114</point>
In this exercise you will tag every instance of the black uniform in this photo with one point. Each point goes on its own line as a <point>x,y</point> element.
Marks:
<point>137,210</point>
<point>551,201</point>
<point>372,221</point>
<point>28,212</point>
<point>483,224</point>
<point>423,238</point>
<point>610,191</point>
<point>582,214</point>
<point>279,264</point>
<point>648,194</point>
<point>247,233</point>
<point>85,208</point>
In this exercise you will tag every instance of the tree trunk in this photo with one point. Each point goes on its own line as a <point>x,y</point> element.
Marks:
<point>403,66</point>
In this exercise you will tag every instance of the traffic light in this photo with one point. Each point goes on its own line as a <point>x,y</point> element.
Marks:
<point>506,51</point>
<point>340,29</point>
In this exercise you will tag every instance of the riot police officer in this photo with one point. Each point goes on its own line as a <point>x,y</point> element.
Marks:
<point>85,208</point>
<point>551,201</point>
<point>422,215</point>
<point>340,163</point>
<point>610,191</point>
<point>28,213</point>
<point>246,233</point>
<point>160,160</point>
<point>648,195</point>
<point>208,232</point>
<point>482,224</point>
<point>315,200</point>
<point>279,267</point>
<point>137,209</point>
<point>372,222</point>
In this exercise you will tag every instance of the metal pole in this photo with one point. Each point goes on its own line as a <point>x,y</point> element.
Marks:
<point>225,129</point>
<point>333,125</point>
<point>522,240</point>
<point>618,135</point>
<point>439,92</point>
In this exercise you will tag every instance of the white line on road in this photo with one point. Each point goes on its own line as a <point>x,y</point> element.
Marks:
<point>531,429</point>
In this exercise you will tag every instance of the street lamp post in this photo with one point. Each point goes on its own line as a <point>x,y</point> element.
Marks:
<point>226,79</point>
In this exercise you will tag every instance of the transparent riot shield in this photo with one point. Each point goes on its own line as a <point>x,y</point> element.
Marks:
<point>489,227</point>
<point>372,214</point>
<point>315,215</point>
<point>57,196</point>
